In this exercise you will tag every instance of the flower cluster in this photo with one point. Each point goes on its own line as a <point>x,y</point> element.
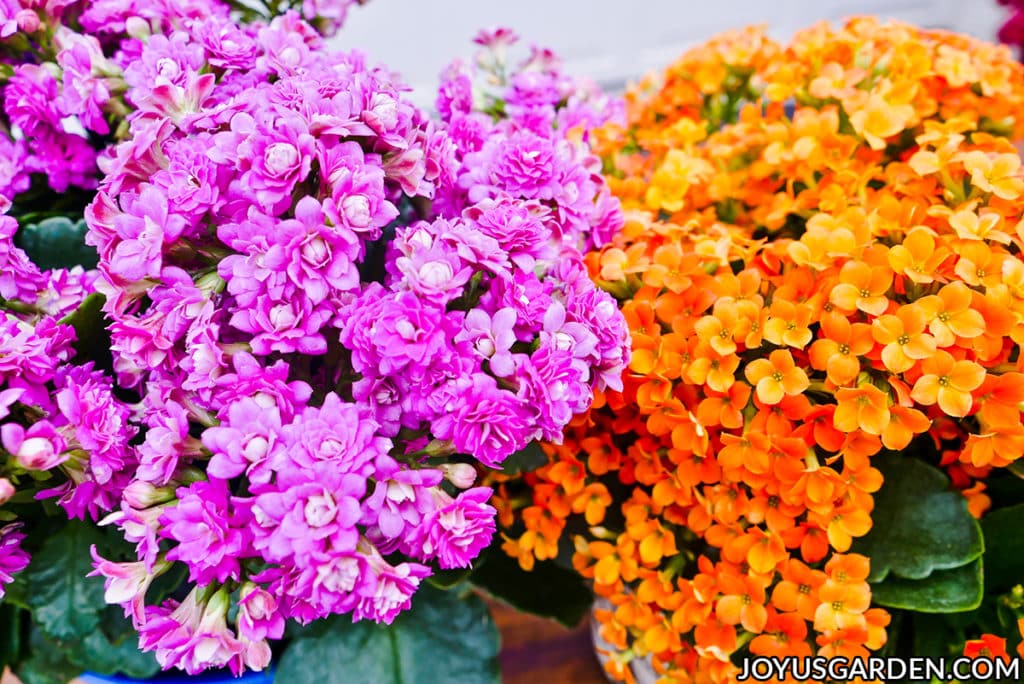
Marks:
<point>521,130</point>
<point>69,66</point>
<point>62,432</point>
<point>65,72</point>
<point>322,354</point>
<point>821,260</point>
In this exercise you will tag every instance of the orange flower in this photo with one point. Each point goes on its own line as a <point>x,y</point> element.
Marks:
<point>904,424</point>
<point>862,287</point>
<point>776,377</point>
<point>788,324</point>
<point>742,602</point>
<point>904,338</point>
<point>1000,397</point>
<point>798,590</point>
<point>989,646</point>
<point>837,351</point>
<point>785,634</point>
<point>971,226</point>
<point>878,120</point>
<point>998,174</point>
<point>918,257</point>
<point>948,383</point>
<point>950,314</point>
<point>861,408</point>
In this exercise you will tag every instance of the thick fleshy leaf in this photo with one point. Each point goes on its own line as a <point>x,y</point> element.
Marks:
<point>526,459</point>
<point>1004,549</point>
<point>92,337</point>
<point>10,633</point>
<point>444,637</point>
<point>65,603</point>
<point>57,242</point>
<point>919,524</point>
<point>47,662</point>
<point>943,591</point>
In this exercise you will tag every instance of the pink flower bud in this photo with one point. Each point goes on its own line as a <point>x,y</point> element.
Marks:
<point>28,20</point>
<point>140,494</point>
<point>6,490</point>
<point>462,475</point>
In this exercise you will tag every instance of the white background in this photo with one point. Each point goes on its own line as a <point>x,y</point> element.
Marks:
<point>611,41</point>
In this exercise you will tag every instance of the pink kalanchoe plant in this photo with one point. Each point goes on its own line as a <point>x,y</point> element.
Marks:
<point>333,308</point>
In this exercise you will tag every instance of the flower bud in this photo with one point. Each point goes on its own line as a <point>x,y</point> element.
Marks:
<point>6,490</point>
<point>140,494</point>
<point>462,475</point>
<point>137,27</point>
<point>28,20</point>
<point>38,453</point>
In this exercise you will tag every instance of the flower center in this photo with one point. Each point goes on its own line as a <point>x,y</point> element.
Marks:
<point>357,210</point>
<point>281,157</point>
<point>320,509</point>
<point>435,273</point>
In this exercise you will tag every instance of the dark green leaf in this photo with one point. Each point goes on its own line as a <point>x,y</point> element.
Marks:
<point>10,634</point>
<point>17,591</point>
<point>57,242</point>
<point>96,653</point>
<point>1004,549</point>
<point>443,638</point>
<point>548,590</point>
<point>919,524</point>
<point>934,637</point>
<point>944,591</point>
<point>93,339</point>
<point>47,662</point>
<point>66,604</point>
<point>526,459</point>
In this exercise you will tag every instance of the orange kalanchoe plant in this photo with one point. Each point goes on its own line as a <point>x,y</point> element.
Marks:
<point>822,272</point>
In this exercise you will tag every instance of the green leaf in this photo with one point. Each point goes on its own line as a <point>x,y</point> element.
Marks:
<point>92,341</point>
<point>57,242</point>
<point>548,590</point>
<point>919,524</point>
<point>96,653</point>
<point>65,603</point>
<point>443,637</point>
<point>944,591</point>
<point>1004,548</point>
<point>47,662</point>
<point>526,459</point>
<point>934,637</point>
<point>10,634</point>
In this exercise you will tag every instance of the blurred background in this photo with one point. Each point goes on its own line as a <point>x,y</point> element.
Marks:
<point>613,41</point>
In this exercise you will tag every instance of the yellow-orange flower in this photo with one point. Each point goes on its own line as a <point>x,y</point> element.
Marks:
<point>776,377</point>
<point>948,383</point>
<point>862,287</point>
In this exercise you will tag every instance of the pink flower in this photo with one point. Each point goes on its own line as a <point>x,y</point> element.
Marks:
<point>458,529</point>
<point>392,591</point>
<point>492,337</point>
<point>13,558</point>
<point>245,441</point>
<point>85,88</point>
<point>487,422</point>
<point>144,226</point>
<point>40,447</point>
<point>192,636</point>
<point>211,537</point>
<point>126,584</point>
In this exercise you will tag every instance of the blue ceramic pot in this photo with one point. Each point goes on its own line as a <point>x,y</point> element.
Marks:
<point>266,677</point>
